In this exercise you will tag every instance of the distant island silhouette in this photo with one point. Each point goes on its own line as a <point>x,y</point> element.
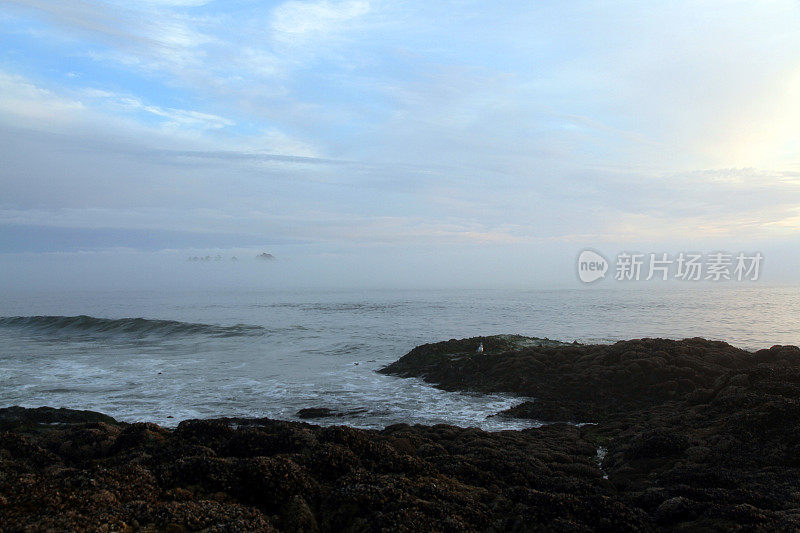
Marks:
<point>263,256</point>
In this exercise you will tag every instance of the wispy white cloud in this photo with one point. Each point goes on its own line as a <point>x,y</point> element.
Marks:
<point>124,24</point>
<point>172,118</point>
<point>23,101</point>
<point>296,20</point>
<point>375,123</point>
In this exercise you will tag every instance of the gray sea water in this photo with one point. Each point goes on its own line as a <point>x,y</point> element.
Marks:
<point>271,353</point>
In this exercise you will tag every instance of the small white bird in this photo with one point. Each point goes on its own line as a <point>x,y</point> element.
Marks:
<point>480,348</point>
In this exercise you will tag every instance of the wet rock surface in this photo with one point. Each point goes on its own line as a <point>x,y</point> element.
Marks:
<point>697,434</point>
<point>221,475</point>
<point>20,418</point>
<point>684,436</point>
<point>310,413</point>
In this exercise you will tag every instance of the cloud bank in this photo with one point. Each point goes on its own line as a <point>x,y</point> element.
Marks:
<point>362,127</point>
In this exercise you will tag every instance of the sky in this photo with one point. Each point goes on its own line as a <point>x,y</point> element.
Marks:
<point>391,144</point>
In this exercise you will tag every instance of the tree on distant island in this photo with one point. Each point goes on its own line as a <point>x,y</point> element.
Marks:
<point>265,256</point>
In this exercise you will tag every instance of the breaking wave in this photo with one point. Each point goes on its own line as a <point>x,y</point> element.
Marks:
<point>92,326</point>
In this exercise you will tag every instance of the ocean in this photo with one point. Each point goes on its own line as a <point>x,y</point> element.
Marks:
<point>167,356</point>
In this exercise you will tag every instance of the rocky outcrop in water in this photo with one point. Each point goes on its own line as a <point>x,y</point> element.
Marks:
<point>589,383</point>
<point>311,413</point>
<point>697,434</point>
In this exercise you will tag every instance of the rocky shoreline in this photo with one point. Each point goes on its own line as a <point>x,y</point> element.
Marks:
<point>675,435</point>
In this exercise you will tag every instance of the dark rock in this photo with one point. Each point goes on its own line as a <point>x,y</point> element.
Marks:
<point>709,432</point>
<point>299,518</point>
<point>656,444</point>
<point>15,417</point>
<point>324,412</point>
<point>218,475</point>
<point>675,510</point>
